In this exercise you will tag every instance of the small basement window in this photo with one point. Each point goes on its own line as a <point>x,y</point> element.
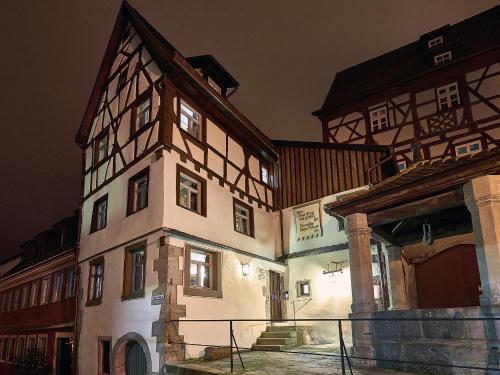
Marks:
<point>303,288</point>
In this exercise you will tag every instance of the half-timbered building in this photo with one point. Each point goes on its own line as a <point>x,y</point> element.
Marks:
<point>186,206</point>
<point>38,304</point>
<point>436,97</point>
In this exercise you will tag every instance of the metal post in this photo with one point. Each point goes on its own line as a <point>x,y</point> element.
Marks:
<point>231,343</point>
<point>341,339</point>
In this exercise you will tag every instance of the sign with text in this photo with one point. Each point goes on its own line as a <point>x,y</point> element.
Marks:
<point>308,221</point>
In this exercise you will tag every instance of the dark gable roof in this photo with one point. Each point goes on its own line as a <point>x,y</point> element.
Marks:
<point>171,61</point>
<point>466,38</point>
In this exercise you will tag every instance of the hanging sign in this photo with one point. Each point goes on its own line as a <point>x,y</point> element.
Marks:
<point>308,221</point>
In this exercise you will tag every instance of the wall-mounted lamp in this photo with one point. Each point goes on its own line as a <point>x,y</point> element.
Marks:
<point>338,268</point>
<point>245,269</point>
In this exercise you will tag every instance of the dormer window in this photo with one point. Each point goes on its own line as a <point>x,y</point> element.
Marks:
<point>442,58</point>
<point>190,120</point>
<point>468,148</point>
<point>402,165</point>
<point>379,119</point>
<point>435,41</point>
<point>447,96</point>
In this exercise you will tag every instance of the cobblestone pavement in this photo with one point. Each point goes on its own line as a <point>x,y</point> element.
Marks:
<point>264,363</point>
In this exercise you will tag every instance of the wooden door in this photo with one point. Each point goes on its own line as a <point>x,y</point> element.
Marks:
<point>276,293</point>
<point>135,360</point>
<point>63,356</point>
<point>449,279</point>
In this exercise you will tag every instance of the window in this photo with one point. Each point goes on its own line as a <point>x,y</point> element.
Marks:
<point>31,346</point>
<point>71,283</point>
<point>5,348</point>
<point>3,302</point>
<point>442,58</point>
<point>435,42</point>
<point>203,278</point>
<point>138,192</point>
<point>191,191</point>
<point>468,148</point>
<point>378,118</point>
<point>104,356</point>
<point>101,147</point>
<point>58,284</point>
<point>134,271</point>
<point>99,214</point>
<point>190,120</point>
<point>243,218</point>
<point>9,301</point>
<point>122,79</point>
<point>21,346</point>
<point>42,345</point>
<point>12,349</point>
<point>45,291</point>
<point>96,278</point>
<point>25,296</point>
<point>141,113</point>
<point>448,96</point>
<point>34,294</point>
<point>402,165</point>
<point>264,174</point>
<point>303,288</point>
<point>15,302</point>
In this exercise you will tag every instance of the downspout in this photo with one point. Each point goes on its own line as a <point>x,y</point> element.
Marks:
<point>76,337</point>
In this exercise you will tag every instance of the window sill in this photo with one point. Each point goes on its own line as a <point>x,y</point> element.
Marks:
<point>192,138</point>
<point>193,211</point>
<point>129,213</point>
<point>94,230</point>
<point>93,302</point>
<point>128,297</point>
<point>141,130</point>
<point>200,292</point>
<point>251,235</point>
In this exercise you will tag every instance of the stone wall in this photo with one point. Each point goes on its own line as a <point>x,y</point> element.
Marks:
<point>460,343</point>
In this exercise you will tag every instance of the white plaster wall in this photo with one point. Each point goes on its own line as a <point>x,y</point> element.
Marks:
<point>218,225</point>
<point>120,227</point>
<point>244,297</point>
<point>114,317</point>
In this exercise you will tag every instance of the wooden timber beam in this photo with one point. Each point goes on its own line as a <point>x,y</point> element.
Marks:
<point>420,207</point>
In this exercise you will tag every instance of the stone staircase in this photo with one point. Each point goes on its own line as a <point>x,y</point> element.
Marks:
<point>276,338</point>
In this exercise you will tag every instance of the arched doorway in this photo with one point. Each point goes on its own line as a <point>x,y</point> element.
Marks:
<point>449,279</point>
<point>131,356</point>
<point>135,359</point>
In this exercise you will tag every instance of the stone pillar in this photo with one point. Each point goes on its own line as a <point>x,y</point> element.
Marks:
<point>399,300</point>
<point>363,299</point>
<point>482,198</point>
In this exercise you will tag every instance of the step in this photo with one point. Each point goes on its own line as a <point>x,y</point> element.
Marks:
<point>280,329</point>
<point>279,334</point>
<point>276,341</point>
<point>273,348</point>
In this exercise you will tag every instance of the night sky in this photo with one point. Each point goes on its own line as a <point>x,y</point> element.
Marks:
<point>284,53</point>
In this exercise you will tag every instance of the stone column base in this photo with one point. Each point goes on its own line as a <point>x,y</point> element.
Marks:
<point>362,340</point>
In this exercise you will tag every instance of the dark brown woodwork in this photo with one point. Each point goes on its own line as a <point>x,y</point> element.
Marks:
<point>276,291</point>
<point>421,207</point>
<point>310,171</point>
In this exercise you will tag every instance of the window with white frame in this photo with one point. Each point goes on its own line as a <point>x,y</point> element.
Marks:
<point>203,278</point>
<point>190,120</point>
<point>442,58</point>
<point>143,113</point>
<point>138,191</point>
<point>243,218</point>
<point>45,291</point>
<point>379,119</point>
<point>101,147</point>
<point>435,41</point>
<point>448,96</point>
<point>99,214</point>
<point>264,174</point>
<point>201,269</point>
<point>96,276</point>
<point>468,148</point>
<point>190,193</point>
